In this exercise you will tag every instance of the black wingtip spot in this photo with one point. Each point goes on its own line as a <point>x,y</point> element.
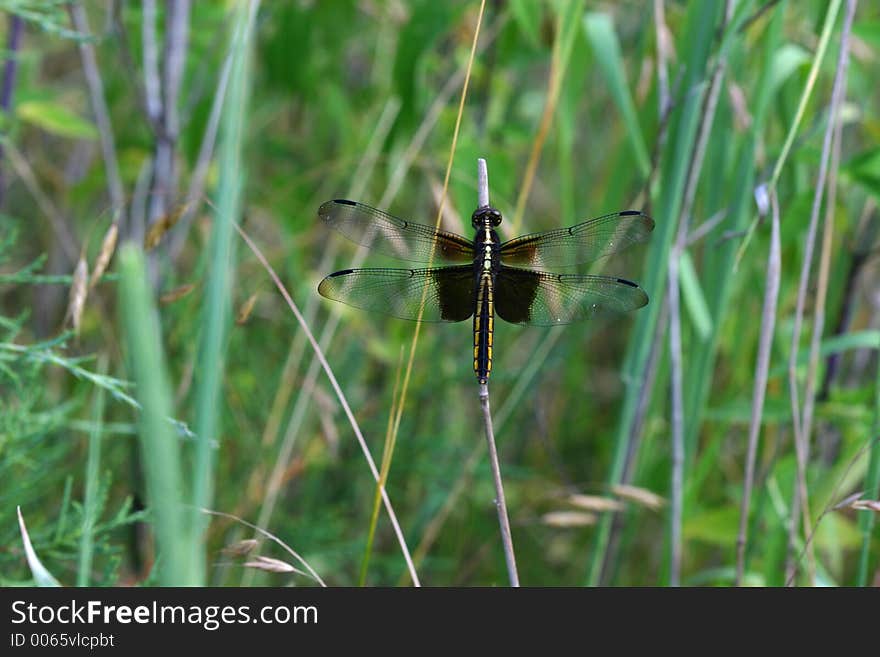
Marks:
<point>344,201</point>
<point>619,280</point>
<point>343,272</point>
<point>630,212</point>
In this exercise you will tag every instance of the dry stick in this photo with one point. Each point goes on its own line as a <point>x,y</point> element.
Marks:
<point>762,367</point>
<point>99,106</point>
<point>152,97</point>
<point>675,358</point>
<point>801,428</point>
<point>664,98</point>
<point>500,504</point>
<point>433,528</point>
<point>340,395</point>
<point>10,68</point>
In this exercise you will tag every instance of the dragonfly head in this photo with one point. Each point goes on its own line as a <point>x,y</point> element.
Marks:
<point>485,216</point>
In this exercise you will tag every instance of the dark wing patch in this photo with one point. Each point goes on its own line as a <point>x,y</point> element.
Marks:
<point>448,292</point>
<point>392,236</point>
<point>585,242</point>
<point>523,296</point>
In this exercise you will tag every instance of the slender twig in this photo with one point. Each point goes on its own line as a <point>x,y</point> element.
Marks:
<point>319,354</point>
<point>272,538</point>
<point>500,503</point>
<point>802,419</point>
<point>762,367</point>
<point>152,87</point>
<point>10,68</point>
<point>664,99</point>
<point>99,106</point>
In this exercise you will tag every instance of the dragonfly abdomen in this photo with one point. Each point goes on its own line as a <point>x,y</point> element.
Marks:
<point>484,327</point>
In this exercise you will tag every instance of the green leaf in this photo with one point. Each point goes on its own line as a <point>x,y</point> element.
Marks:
<point>694,299</point>
<point>527,15</point>
<point>599,29</point>
<point>786,61</point>
<point>56,119</point>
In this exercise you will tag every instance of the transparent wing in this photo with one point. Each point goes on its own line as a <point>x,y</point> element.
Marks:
<point>531,297</point>
<point>398,292</point>
<point>578,244</point>
<point>392,236</point>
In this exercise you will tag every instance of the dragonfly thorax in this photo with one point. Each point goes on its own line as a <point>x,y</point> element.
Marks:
<point>485,216</point>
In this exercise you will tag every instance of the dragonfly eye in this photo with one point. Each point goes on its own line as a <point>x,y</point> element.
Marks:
<point>484,215</point>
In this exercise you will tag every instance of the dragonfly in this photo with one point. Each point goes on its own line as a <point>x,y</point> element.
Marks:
<point>485,277</point>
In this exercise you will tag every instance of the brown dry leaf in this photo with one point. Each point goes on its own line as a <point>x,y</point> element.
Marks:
<point>162,225</point>
<point>867,505</point>
<point>246,308</point>
<point>176,293</point>
<point>638,495</point>
<point>594,503</point>
<point>78,293</point>
<point>568,519</point>
<point>271,565</point>
<point>240,548</point>
<point>848,501</point>
<point>742,120</point>
<point>108,248</point>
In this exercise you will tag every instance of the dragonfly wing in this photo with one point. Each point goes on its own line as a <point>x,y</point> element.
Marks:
<point>392,236</point>
<point>523,296</point>
<point>585,242</point>
<point>441,294</point>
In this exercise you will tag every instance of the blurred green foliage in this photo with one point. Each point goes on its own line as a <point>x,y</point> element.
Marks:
<point>362,96</point>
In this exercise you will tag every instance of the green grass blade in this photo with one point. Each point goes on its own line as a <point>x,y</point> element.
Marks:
<point>91,503</point>
<point>694,299</point>
<point>160,448</point>
<point>216,314</point>
<point>683,129</point>
<point>599,28</point>
<point>872,491</point>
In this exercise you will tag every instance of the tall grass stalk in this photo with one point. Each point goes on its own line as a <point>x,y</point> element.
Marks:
<point>566,29</point>
<point>387,455</point>
<point>802,418</point>
<point>216,315</point>
<point>362,443</point>
<point>762,368</point>
<point>91,504</point>
<point>683,126</point>
<point>176,539</point>
<point>824,38</point>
